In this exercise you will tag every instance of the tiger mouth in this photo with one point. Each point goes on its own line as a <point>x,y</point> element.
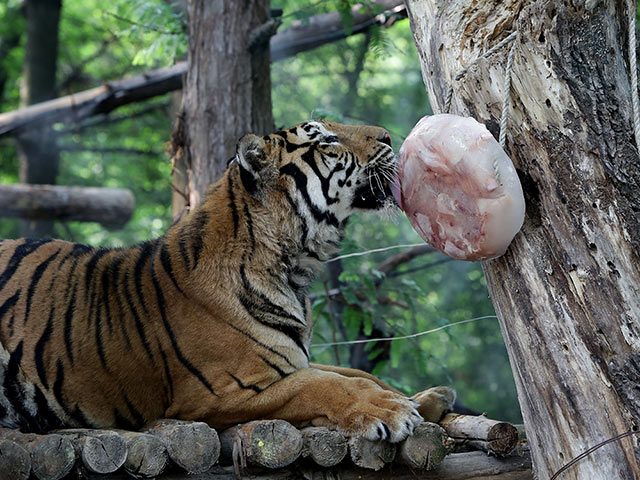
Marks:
<point>373,195</point>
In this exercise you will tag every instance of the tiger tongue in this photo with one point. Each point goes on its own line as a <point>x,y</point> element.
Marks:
<point>458,188</point>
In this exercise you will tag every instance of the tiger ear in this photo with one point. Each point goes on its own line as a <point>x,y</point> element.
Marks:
<point>254,155</point>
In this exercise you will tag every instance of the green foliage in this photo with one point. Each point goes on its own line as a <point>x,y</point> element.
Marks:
<point>160,26</point>
<point>101,41</point>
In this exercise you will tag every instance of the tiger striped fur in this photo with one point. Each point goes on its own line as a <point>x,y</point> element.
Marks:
<point>211,321</point>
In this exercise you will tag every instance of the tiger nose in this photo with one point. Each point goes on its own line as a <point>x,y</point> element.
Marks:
<point>385,138</point>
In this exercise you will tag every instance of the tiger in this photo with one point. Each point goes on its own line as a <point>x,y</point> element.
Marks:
<point>210,322</point>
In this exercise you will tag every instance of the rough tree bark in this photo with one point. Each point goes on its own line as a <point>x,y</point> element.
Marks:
<point>39,157</point>
<point>227,91</point>
<point>567,291</point>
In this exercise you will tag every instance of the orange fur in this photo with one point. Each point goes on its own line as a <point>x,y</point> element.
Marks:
<point>211,321</point>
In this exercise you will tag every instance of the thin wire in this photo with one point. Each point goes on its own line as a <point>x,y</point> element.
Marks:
<point>634,71</point>
<point>491,51</point>
<point>591,450</point>
<point>390,339</point>
<point>374,250</point>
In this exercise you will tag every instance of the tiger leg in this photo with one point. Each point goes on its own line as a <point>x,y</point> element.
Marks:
<point>433,402</point>
<point>355,405</point>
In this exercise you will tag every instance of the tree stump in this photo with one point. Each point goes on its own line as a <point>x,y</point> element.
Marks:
<point>193,446</point>
<point>482,433</point>
<point>372,455</point>
<point>425,449</point>
<point>324,446</point>
<point>265,443</point>
<point>101,451</point>
<point>52,456</point>
<point>15,461</point>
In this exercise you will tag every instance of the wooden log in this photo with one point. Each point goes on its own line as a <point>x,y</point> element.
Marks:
<point>147,456</point>
<point>481,433</point>
<point>111,207</point>
<point>101,451</point>
<point>566,292</point>
<point>425,449</point>
<point>324,446</point>
<point>372,455</point>
<point>265,443</point>
<point>15,461</point>
<point>52,456</point>
<point>193,446</point>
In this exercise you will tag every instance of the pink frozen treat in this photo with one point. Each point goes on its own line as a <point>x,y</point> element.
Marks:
<point>458,188</point>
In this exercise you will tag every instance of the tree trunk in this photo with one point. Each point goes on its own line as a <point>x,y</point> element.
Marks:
<point>39,156</point>
<point>567,291</point>
<point>227,91</point>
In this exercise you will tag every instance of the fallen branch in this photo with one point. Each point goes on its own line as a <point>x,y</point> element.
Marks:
<point>111,207</point>
<point>320,30</point>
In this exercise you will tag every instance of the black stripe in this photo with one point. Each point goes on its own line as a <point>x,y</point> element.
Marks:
<point>165,259</point>
<point>10,302</point>
<point>38,353</point>
<point>136,318</point>
<point>248,180</point>
<point>252,238</point>
<point>301,182</point>
<point>105,300</point>
<point>266,305</point>
<point>57,385</point>
<point>35,278</point>
<point>174,343</point>
<point>46,419</point>
<point>29,246</point>
<point>232,206</point>
<point>182,244</point>
<point>292,332</point>
<point>77,251</point>
<point>100,345</point>
<point>255,388</point>
<point>138,419</point>
<point>115,282</point>
<point>79,416</point>
<point>14,393</point>
<point>303,220</point>
<point>167,373</point>
<point>292,147</point>
<point>325,183</point>
<point>91,266</point>
<point>200,221</point>
<point>281,372</point>
<point>123,422</point>
<point>263,345</point>
<point>68,318</point>
<point>144,254</point>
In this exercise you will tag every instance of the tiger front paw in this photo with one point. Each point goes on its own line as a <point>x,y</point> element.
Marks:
<point>376,414</point>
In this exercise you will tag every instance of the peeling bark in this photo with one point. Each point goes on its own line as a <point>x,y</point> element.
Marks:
<point>568,290</point>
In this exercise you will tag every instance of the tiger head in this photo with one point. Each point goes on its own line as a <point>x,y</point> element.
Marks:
<point>327,169</point>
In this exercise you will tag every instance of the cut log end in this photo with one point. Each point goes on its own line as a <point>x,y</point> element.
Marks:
<point>426,448</point>
<point>265,443</point>
<point>324,446</point>
<point>193,446</point>
<point>15,461</point>
<point>146,455</point>
<point>372,455</point>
